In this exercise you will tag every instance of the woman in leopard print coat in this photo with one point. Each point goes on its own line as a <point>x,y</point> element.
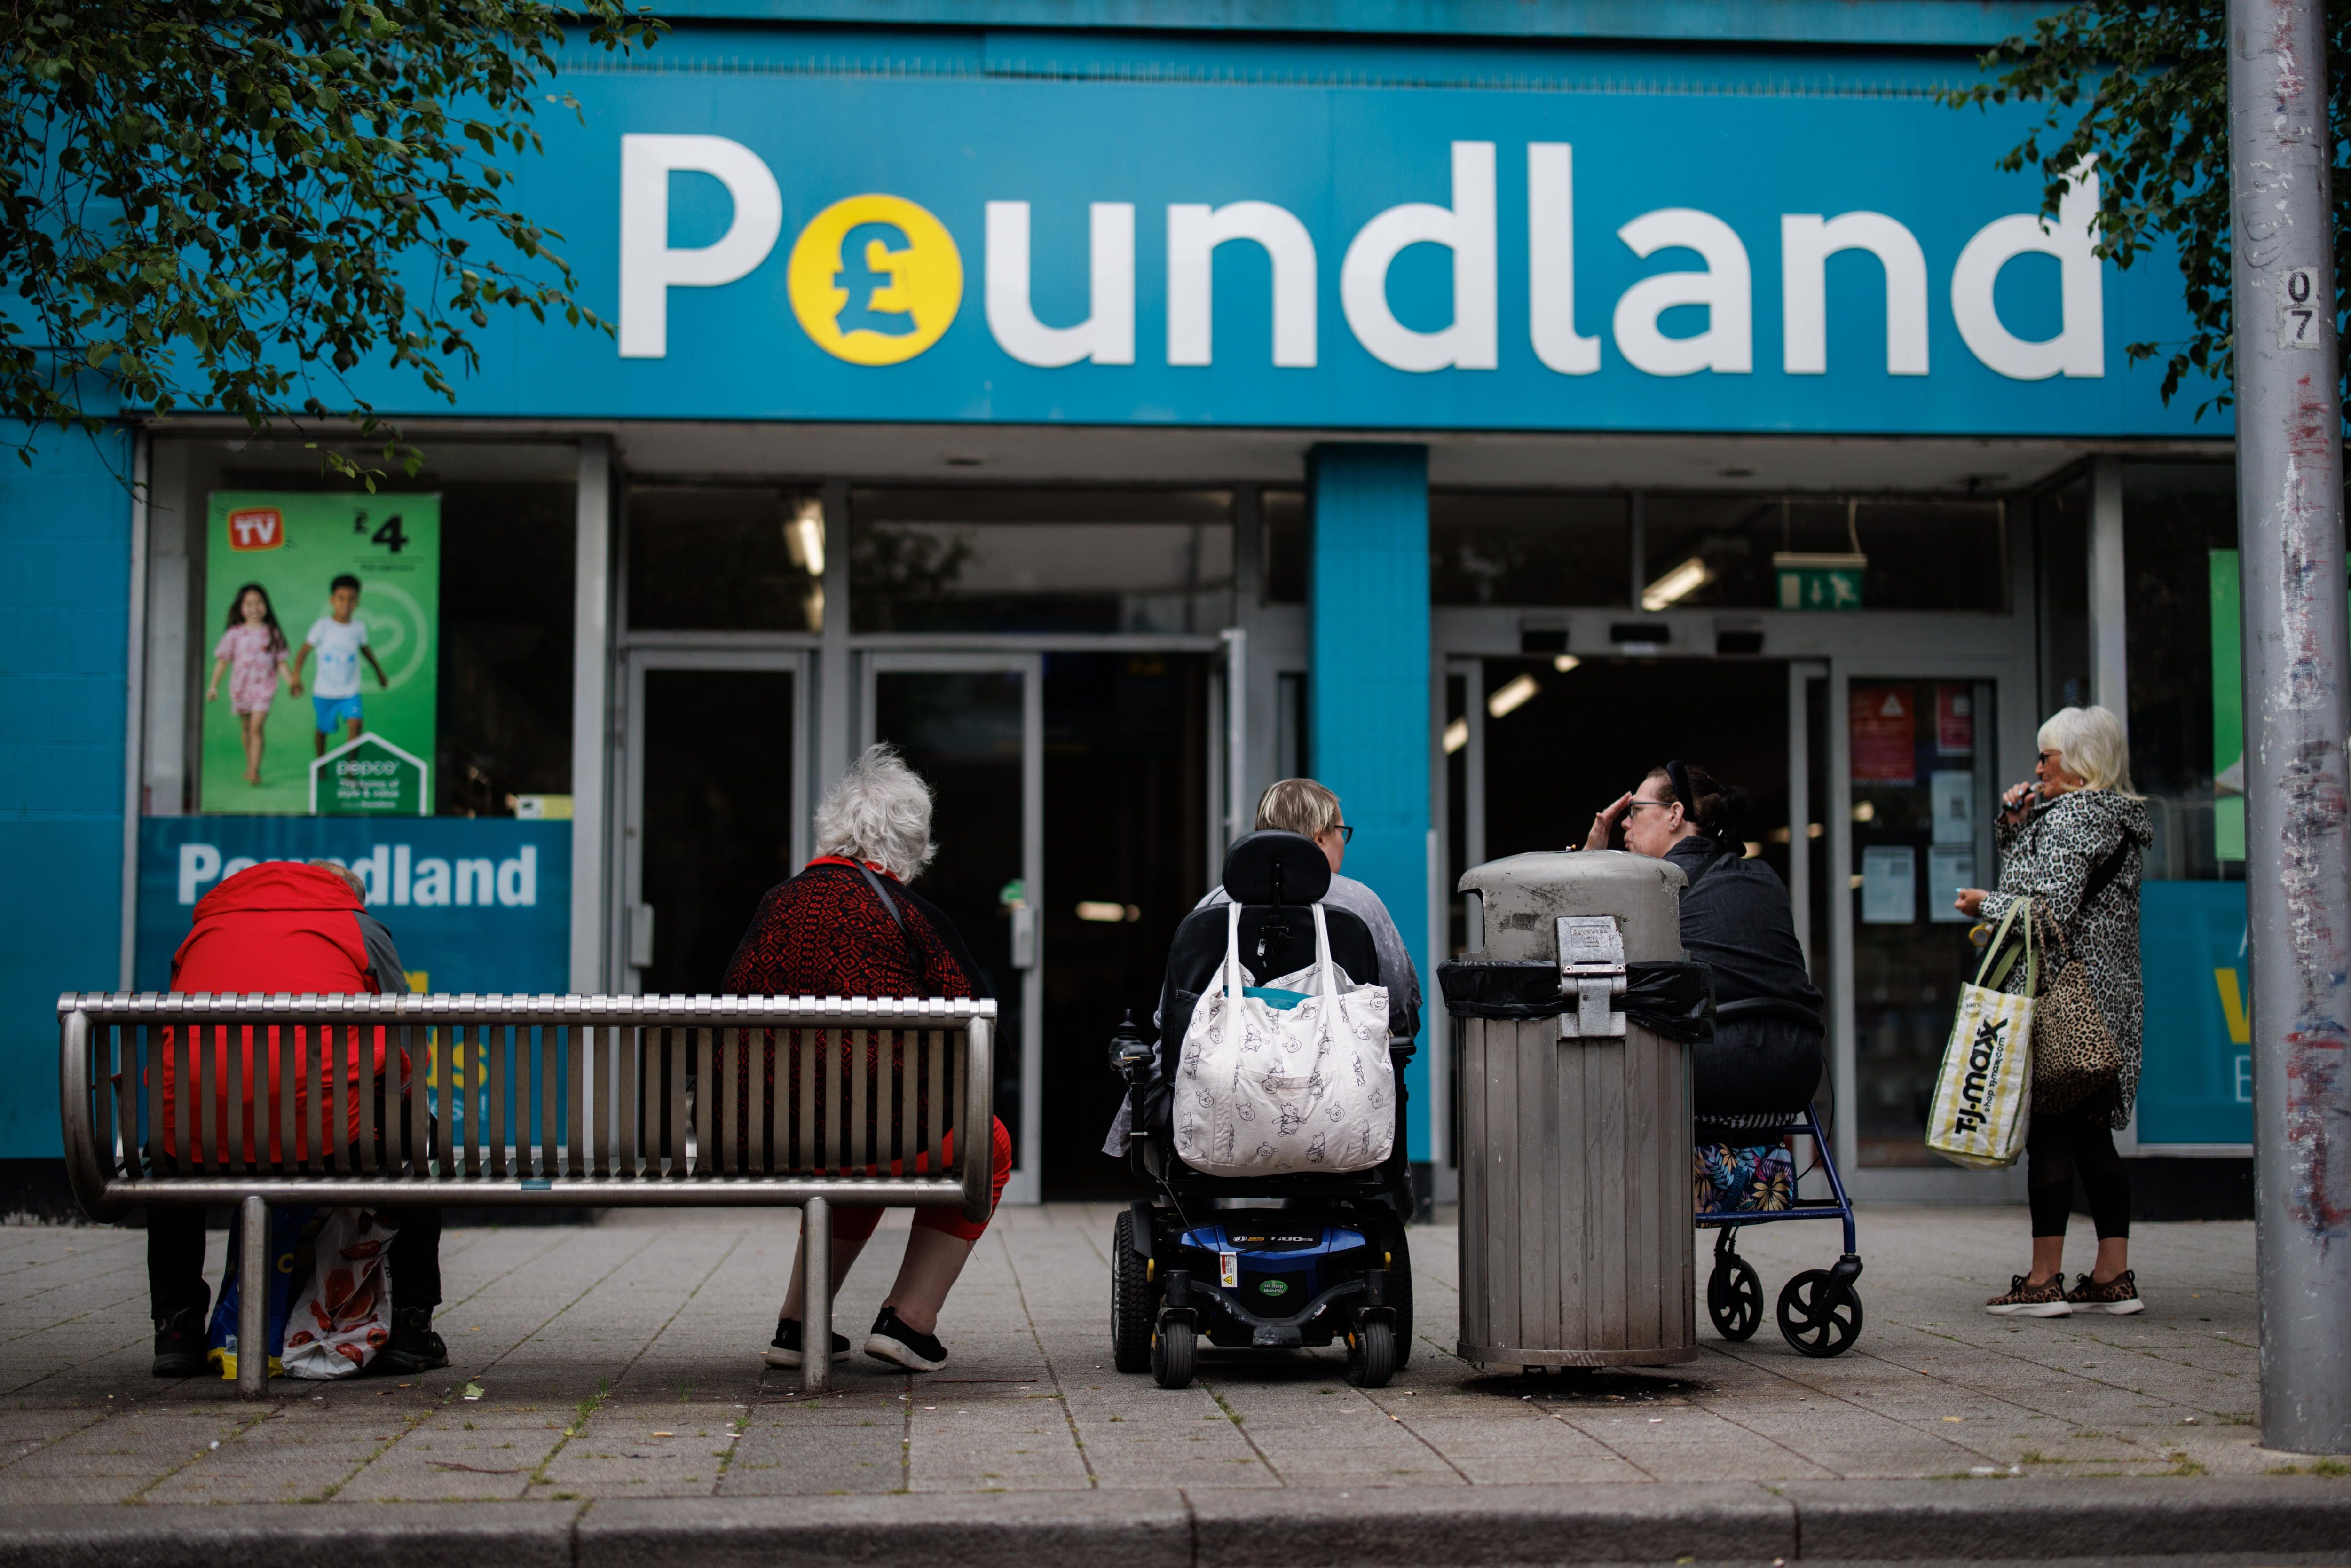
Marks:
<point>2072,844</point>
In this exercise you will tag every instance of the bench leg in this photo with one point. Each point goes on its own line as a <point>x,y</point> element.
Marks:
<point>816,1296</point>
<point>252,1299</point>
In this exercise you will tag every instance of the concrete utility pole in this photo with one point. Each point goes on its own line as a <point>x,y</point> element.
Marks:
<point>2298,897</point>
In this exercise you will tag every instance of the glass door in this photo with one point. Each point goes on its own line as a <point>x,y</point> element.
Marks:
<point>716,812</point>
<point>1918,829</point>
<point>972,725</point>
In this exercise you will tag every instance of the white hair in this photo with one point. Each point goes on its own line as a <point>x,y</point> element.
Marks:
<point>2089,740</point>
<point>879,810</point>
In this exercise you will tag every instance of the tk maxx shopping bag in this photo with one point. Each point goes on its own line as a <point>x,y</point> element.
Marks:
<point>1983,1094</point>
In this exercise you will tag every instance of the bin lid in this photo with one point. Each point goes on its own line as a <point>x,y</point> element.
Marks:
<point>1525,895</point>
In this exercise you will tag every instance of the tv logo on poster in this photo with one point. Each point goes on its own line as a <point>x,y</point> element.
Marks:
<point>263,528</point>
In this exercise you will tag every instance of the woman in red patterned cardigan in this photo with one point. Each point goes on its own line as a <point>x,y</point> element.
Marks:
<point>847,926</point>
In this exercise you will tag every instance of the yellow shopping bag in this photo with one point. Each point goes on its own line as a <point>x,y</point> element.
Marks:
<point>1984,1093</point>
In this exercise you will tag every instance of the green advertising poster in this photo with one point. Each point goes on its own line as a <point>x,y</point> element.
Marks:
<point>2228,711</point>
<point>359,737</point>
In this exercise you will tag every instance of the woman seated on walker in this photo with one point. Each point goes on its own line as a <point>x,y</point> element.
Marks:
<point>1764,1061</point>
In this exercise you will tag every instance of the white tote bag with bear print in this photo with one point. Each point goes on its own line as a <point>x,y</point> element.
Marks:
<point>1273,1084</point>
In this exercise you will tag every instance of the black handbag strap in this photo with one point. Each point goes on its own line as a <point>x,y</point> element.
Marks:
<point>2102,874</point>
<point>915,959</point>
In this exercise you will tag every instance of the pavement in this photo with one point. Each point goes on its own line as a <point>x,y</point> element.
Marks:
<point>605,1401</point>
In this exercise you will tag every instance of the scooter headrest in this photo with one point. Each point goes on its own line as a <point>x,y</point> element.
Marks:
<point>1274,867</point>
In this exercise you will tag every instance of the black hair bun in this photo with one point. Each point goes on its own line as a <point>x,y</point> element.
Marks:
<point>1736,803</point>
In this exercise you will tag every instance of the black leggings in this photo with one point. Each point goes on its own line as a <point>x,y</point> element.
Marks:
<point>2058,1146</point>
<point>175,1260</point>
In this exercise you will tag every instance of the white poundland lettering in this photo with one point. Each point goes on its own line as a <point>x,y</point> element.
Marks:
<point>199,863</point>
<point>519,878</point>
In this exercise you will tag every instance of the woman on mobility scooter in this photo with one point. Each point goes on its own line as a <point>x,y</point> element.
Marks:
<point>1753,1083</point>
<point>1331,1264</point>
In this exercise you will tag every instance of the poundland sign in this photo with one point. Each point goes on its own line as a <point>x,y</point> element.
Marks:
<point>476,903</point>
<point>812,247</point>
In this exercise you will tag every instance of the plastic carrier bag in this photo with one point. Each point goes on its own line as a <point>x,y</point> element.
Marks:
<point>343,1314</point>
<point>1273,1087</point>
<point>1984,1093</point>
<point>287,1226</point>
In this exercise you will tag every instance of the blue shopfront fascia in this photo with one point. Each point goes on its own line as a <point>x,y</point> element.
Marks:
<point>1315,256</point>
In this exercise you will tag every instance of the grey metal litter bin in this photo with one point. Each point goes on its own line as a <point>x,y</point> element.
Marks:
<point>1576,1245</point>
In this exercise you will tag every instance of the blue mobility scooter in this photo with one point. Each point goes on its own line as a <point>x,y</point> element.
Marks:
<point>1330,1264</point>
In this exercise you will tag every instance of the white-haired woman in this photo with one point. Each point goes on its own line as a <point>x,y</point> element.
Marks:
<point>2072,843</point>
<point>847,926</point>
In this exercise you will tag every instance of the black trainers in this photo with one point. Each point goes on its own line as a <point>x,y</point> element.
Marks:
<point>894,1342</point>
<point>413,1346</point>
<point>180,1344</point>
<point>786,1348</point>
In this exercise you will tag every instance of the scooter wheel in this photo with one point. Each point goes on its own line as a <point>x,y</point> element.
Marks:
<point>1371,1355</point>
<point>1130,1301</point>
<point>1174,1349</point>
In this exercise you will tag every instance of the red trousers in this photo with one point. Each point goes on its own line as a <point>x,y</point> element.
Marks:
<point>856,1222</point>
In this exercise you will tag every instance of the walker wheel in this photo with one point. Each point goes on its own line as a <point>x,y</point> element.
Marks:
<point>1818,1315</point>
<point>1734,1296</point>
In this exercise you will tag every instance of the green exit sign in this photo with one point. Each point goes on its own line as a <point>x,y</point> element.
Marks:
<point>1810,581</point>
<point>369,777</point>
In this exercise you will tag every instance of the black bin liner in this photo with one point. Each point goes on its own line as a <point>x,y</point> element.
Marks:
<point>1672,999</point>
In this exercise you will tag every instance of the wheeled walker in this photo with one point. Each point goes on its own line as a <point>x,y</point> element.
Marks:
<point>1819,1309</point>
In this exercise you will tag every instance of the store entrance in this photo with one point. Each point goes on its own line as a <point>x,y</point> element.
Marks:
<point>1072,833</point>
<point>1560,744</point>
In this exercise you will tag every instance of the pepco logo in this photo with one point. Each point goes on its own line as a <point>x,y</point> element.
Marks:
<point>262,527</point>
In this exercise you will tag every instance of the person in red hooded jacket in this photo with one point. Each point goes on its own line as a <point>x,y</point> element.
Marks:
<point>303,929</point>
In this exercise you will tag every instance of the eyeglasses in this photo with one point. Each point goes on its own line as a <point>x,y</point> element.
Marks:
<point>1634,806</point>
<point>1347,834</point>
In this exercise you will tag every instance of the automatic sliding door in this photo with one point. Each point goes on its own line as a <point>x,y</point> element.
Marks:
<point>972,725</point>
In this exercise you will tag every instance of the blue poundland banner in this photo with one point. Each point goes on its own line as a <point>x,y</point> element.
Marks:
<point>476,903</point>
<point>2196,1085</point>
<point>774,241</point>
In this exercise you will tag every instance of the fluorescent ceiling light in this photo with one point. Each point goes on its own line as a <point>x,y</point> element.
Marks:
<point>1563,663</point>
<point>1457,735</point>
<point>1512,696</point>
<point>804,536</point>
<point>1101,909</point>
<point>1676,585</point>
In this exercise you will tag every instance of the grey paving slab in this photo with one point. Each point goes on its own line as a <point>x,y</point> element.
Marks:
<point>621,1360</point>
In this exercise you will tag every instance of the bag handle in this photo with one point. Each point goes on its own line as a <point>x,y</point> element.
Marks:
<point>1326,983</point>
<point>1990,977</point>
<point>1232,967</point>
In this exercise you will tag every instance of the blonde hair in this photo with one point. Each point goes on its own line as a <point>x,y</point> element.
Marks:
<point>1298,805</point>
<point>2089,740</point>
<point>879,810</point>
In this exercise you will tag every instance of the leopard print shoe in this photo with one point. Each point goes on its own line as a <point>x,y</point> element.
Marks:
<point>2118,1295</point>
<point>2045,1300</point>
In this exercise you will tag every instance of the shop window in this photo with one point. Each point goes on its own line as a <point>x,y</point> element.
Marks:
<point>1495,549</point>
<point>429,748</point>
<point>1828,553</point>
<point>465,601</point>
<point>2062,542</point>
<point>716,557</point>
<point>2180,540</point>
<point>1053,561</point>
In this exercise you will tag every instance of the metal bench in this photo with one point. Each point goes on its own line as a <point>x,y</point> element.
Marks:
<point>525,1102</point>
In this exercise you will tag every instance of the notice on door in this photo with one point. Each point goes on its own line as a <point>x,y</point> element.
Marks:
<point>1884,722</point>
<point>1949,868</point>
<point>1889,885</point>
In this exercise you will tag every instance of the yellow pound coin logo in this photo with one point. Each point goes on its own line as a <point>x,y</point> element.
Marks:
<point>875,279</point>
